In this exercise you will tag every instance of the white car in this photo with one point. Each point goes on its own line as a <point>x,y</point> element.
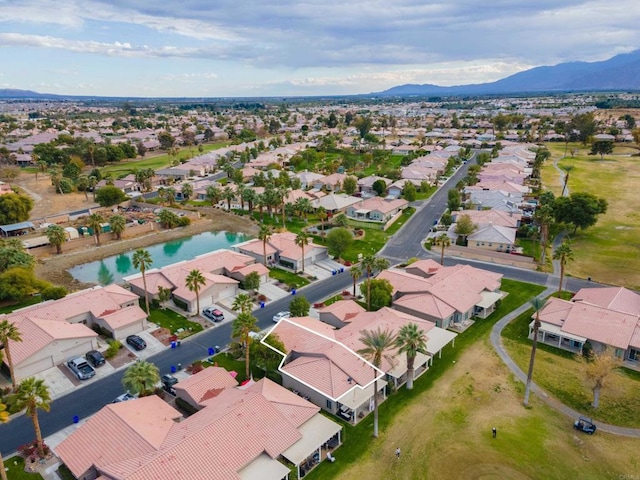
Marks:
<point>280,315</point>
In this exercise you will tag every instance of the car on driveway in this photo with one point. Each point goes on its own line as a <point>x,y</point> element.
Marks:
<point>213,313</point>
<point>585,424</point>
<point>136,342</point>
<point>81,368</point>
<point>95,358</point>
<point>124,397</point>
<point>280,315</point>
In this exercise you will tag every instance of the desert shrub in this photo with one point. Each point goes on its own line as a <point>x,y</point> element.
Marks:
<point>112,350</point>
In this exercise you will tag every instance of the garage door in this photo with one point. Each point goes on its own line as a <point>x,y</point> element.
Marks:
<point>35,367</point>
<point>76,351</point>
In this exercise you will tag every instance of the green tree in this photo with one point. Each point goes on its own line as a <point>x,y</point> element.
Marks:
<point>18,283</point>
<point>142,260</point>
<point>243,303</point>
<point>13,254</point>
<point>376,345</point>
<point>444,241</point>
<point>453,201</point>
<point>597,367</point>
<point>350,185</point>
<point>299,306</point>
<point>14,208</point>
<point>580,209</point>
<point>338,241</point>
<point>82,184</point>
<point>585,124</point>
<point>141,378</point>
<point>166,140</point>
<point>95,223</point>
<point>194,281</point>
<point>340,220</point>
<point>242,326</point>
<point>563,254</point>
<point>537,304</point>
<point>117,224</point>
<point>371,263</point>
<point>187,190</point>
<point>409,191</point>
<point>302,240</point>
<point>264,235</point>
<point>9,332</point>
<point>304,206</point>
<point>356,273</point>
<point>379,186</point>
<point>321,212</point>
<point>378,293</point>
<point>266,358</point>
<point>411,340</point>
<point>464,227</point>
<point>229,195</point>
<point>33,395</point>
<point>602,148</point>
<point>164,294</point>
<point>251,281</point>
<point>56,236</point>
<point>109,195</point>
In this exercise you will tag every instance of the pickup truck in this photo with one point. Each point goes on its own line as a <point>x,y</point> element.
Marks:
<point>81,368</point>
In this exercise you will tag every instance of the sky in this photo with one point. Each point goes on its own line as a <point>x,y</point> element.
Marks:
<point>223,48</point>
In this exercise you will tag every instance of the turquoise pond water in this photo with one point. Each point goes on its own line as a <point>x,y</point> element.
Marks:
<point>113,269</point>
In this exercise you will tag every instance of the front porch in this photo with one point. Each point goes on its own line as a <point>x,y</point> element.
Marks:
<point>552,335</point>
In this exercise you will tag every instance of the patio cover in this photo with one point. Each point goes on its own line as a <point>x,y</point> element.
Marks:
<point>488,299</point>
<point>6,229</point>
<point>357,396</point>
<point>315,432</point>
<point>438,338</point>
<point>362,211</point>
<point>557,330</point>
<point>264,467</point>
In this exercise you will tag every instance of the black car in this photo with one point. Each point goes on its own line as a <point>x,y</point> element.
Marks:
<point>136,342</point>
<point>585,424</point>
<point>95,358</point>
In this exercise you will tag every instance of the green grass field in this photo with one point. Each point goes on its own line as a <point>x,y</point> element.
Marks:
<point>173,321</point>
<point>15,470</point>
<point>608,252</point>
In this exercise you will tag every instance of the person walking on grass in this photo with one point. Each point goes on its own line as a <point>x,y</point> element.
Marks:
<point>398,453</point>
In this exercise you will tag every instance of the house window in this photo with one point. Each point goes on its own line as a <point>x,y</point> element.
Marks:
<point>329,405</point>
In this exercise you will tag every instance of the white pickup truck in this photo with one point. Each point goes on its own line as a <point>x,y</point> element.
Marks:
<point>81,368</point>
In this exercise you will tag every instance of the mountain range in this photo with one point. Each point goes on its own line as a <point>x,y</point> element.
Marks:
<point>619,73</point>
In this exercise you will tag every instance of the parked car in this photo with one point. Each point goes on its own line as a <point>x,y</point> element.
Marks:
<point>95,358</point>
<point>81,368</point>
<point>136,342</point>
<point>124,397</point>
<point>168,381</point>
<point>280,315</point>
<point>586,425</point>
<point>213,313</point>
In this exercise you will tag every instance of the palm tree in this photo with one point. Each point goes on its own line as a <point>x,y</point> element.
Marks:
<point>117,224</point>
<point>141,377</point>
<point>213,194</point>
<point>242,303</point>
<point>265,235</point>
<point>250,197</point>
<point>82,183</point>
<point>57,236</point>
<point>228,194</point>
<point>376,344</point>
<point>4,418</point>
<point>193,282</point>
<point>282,196</point>
<point>95,223</point>
<point>563,254</point>
<point>142,260</point>
<point>9,332</point>
<point>304,206</point>
<point>537,304</point>
<point>93,181</point>
<point>411,340</point>
<point>322,215</point>
<point>33,394</point>
<point>369,264</point>
<point>186,190</point>
<point>444,241</point>
<point>340,220</point>
<point>242,326</point>
<point>301,240</point>
<point>356,273</point>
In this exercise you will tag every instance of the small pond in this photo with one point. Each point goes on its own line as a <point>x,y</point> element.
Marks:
<point>113,269</point>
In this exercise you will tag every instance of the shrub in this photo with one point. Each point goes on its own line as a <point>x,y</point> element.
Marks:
<point>184,221</point>
<point>114,347</point>
<point>53,292</point>
<point>196,367</point>
<point>262,297</point>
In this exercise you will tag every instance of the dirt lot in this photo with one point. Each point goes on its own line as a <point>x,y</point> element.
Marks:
<point>54,268</point>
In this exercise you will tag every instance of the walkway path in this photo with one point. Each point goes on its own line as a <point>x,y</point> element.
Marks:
<point>563,176</point>
<point>496,342</point>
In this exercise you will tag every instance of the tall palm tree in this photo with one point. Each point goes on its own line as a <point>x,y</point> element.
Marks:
<point>193,282</point>
<point>141,378</point>
<point>376,345</point>
<point>213,194</point>
<point>322,215</point>
<point>369,264</point>
<point>356,273</point>
<point>142,260</point>
<point>411,340</point>
<point>56,236</point>
<point>265,235</point>
<point>242,326</point>
<point>444,241</point>
<point>118,223</point>
<point>301,240</point>
<point>95,223</point>
<point>228,194</point>
<point>563,254</point>
<point>93,181</point>
<point>9,333</point>
<point>242,303</point>
<point>33,394</point>
<point>4,418</point>
<point>537,304</point>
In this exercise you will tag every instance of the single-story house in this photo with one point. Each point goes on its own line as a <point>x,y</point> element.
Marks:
<point>339,313</point>
<point>331,183</point>
<point>365,184</point>
<point>334,203</point>
<point>54,331</point>
<point>376,209</point>
<point>493,237</point>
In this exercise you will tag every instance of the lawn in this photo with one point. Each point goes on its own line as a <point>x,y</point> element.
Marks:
<point>15,470</point>
<point>397,412</point>
<point>559,373</point>
<point>288,278</point>
<point>8,307</point>
<point>609,251</point>
<point>370,244</point>
<point>406,215</point>
<point>226,361</point>
<point>166,318</point>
